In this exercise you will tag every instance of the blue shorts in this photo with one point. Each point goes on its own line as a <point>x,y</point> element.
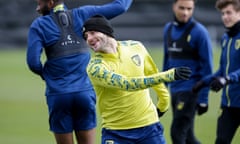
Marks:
<point>152,134</point>
<point>72,111</point>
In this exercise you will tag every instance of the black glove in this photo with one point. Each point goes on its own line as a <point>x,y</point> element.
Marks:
<point>218,83</point>
<point>182,73</point>
<point>160,114</point>
<point>202,108</point>
<point>198,86</point>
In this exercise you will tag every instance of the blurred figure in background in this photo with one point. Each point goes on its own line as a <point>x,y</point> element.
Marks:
<point>227,77</point>
<point>187,43</point>
<point>121,72</point>
<point>70,96</point>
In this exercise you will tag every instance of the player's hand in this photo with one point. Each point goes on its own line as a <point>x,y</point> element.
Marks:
<point>160,114</point>
<point>182,73</point>
<point>202,108</point>
<point>198,86</point>
<point>218,83</point>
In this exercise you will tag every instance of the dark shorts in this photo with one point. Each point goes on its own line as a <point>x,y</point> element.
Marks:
<point>152,134</point>
<point>72,111</point>
<point>184,104</point>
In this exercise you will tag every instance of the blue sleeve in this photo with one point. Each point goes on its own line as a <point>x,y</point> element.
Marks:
<point>219,72</point>
<point>204,46</point>
<point>234,76</point>
<point>34,51</point>
<point>209,78</point>
<point>165,51</point>
<point>109,10</point>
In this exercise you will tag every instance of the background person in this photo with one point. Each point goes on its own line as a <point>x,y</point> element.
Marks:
<point>70,95</point>
<point>227,77</point>
<point>187,43</point>
<point>121,72</point>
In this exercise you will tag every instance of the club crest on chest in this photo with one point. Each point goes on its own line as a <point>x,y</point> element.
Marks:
<point>136,60</point>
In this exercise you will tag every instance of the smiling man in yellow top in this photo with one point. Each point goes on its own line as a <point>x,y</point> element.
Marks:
<point>121,73</point>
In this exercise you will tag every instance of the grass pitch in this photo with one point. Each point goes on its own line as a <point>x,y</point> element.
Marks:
<point>24,115</point>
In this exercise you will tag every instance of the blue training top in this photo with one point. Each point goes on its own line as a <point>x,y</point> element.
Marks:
<point>65,74</point>
<point>229,65</point>
<point>195,52</point>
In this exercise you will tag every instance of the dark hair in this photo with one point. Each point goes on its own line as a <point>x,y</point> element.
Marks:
<point>220,4</point>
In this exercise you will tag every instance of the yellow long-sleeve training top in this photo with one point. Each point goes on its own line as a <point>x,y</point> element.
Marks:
<point>121,80</point>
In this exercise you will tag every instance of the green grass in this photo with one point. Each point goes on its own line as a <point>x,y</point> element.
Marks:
<point>24,115</point>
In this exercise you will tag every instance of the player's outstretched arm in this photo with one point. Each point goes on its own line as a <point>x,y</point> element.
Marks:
<point>100,75</point>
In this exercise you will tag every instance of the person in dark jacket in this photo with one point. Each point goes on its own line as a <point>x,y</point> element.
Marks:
<point>70,96</point>
<point>187,43</point>
<point>227,77</point>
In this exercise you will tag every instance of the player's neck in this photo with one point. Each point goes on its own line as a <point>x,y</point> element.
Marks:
<point>112,45</point>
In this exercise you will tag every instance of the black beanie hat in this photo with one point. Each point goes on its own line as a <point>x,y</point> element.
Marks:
<point>98,23</point>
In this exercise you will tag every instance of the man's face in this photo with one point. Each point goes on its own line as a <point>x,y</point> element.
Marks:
<point>97,41</point>
<point>230,16</point>
<point>183,10</point>
<point>43,7</point>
